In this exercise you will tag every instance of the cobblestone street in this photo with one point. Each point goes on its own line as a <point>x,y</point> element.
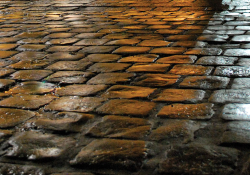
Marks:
<point>125,87</point>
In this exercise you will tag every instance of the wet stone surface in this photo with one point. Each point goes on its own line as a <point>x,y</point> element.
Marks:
<point>120,127</point>
<point>12,117</point>
<point>237,132</point>
<point>205,82</point>
<point>201,111</point>
<point>230,96</point>
<point>199,160</point>
<point>115,153</point>
<point>180,95</point>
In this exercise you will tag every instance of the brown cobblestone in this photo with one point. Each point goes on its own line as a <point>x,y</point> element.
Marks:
<point>79,90</point>
<point>74,104</point>
<point>121,91</point>
<point>201,111</point>
<point>26,101</point>
<point>186,69</point>
<point>153,67</point>
<point>111,78</point>
<point>69,65</point>
<point>180,95</point>
<point>30,74</point>
<point>12,117</point>
<point>126,107</point>
<point>108,67</point>
<point>120,127</point>
<point>205,82</point>
<point>178,59</point>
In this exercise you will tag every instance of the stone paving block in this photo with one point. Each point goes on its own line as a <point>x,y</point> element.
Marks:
<point>6,54</point>
<point>217,60</point>
<point>98,49</point>
<point>237,52</point>
<point>237,132</point>
<point>148,36</point>
<point>205,82</point>
<point>29,64</point>
<point>141,58</point>
<point>9,33</point>
<point>6,71</point>
<point>126,107</point>
<point>177,59</point>
<point>12,117</point>
<point>243,62</point>
<point>69,65</point>
<point>30,74</point>
<point>169,31</point>
<point>131,50</point>
<point>214,38</point>
<point>27,101</point>
<point>32,41</point>
<point>118,36</point>
<point>102,58</point>
<point>6,83</point>
<point>32,35</point>
<point>120,127</point>
<point>31,47</point>
<point>168,50</point>
<point>181,38</point>
<point>152,67</point>
<point>63,41</point>
<point>62,122</point>
<point>69,77</point>
<point>232,71</point>
<point>74,104</point>
<point>241,83</point>
<point>45,146</point>
<point>112,153</point>
<point>108,67</point>
<point>236,112</point>
<point>110,78</point>
<point>64,56</point>
<point>154,43</point>
<point>230,96</point>
<point>154,80</point>
<point>241,38</point>
<point>180,95</point>
<point>175,129</point>
<point>205,51</point>
<point>91,42</point>
<point>8,46</point>
<point>64,48</point>
<point>28,56</point>
<point>199,159</point>
<point>7,168</point>
<point>89,35</point>
<point>189,44</point>
<point>9,40</point>
<point>187,69</point>
<point>123,42</point>
<point>122,91</point>
<point>79,90</point>
<point>201,111</point>
<point>60,35</point>
<point>32,87</point>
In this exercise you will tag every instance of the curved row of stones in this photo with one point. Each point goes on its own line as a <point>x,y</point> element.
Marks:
<point>125,88</point>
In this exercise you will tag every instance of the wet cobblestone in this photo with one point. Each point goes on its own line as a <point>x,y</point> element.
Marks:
<point>135,87</point>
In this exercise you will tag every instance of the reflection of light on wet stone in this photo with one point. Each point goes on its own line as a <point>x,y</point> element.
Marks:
<point>236,112</point>
<point>232,71</point>
<point>230,96</point>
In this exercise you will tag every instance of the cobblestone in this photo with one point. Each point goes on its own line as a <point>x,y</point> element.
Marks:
<point>109,87</point>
